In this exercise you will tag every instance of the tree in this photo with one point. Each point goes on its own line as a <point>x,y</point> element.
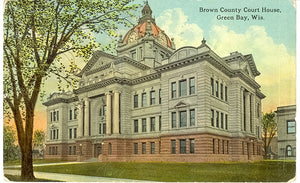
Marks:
<point>10,150</point>
<point>38,138</point>
<point>269,126</point>
<point>36,35</point>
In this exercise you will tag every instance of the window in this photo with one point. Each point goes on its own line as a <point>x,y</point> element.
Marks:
<point>135,148</point>
<point>182,115</point>
<point>100,129</point>
<point>173,145</point>
<point>56,150</point>
<point>182,146</point>
<point>159,96</point>
<point>75,113</point>
<point>144,126</point>
<point>211,86</point>
<point>51,116</point>
<point>70,150</point>
<point>192,146</point>
<point>212,112</point>
<point>226,121</point>
<point>222,120</point>
<point>50,134</point>
<point>192,86</point>
<point>152,124</point>
<point>291,126</point>
<point>135,101</point>
<point>221,91</point>
<point>144,148</point>
<point>54,116</point>
<point>144,100</point>
<point>258,110</point>
<point>133,55</point>
<point>70,114</point>
<point>225,93</point>
<point>136,125</point>
<point>217,118</point>
<point>74,150</point>
<point>173,88</point>
<point>182,88</point>
<point>104,110</point>
<point>152,97</point>
<point>217,89</point>
<point>57,115</point>
<point>173,119</point>
<point>159,123</point>
<point>54,135</point>
<point>75,133</point>
<point>214,149</point>
<point>70,133</point>
<point>152,147</point>
<point>104,128</point>
<point>192,117</point>
<point>288,151</point>
<point>109,148</point>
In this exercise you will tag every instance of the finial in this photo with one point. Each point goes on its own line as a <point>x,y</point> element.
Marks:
<point>203,41</point>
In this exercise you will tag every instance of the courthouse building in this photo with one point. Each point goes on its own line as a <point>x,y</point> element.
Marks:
<point>152,102</point>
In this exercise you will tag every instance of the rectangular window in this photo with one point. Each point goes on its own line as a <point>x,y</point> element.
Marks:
<point>173,88</point>
<point>51,116</point>
<point>173,119</point>
<point>104,110</point>
<point>70,114</point>
<point>214,149</point>
<point>159,96</point>
<point>56,150</point>
<point>217,89</point>
<point>50,134</point>
<point>192,86</point>
<point>54,134</point>
<point>159,123</point>
<point>183,117</point>
<point>182,146</point>
<point>222,120</point>
<point>192,117</point>
<point>133,55</point>
<point>144,125</point>
<point>192,146</point>
<point>212,86</point>
<point>173,145</point>
<point>75,113</point>
<point>100,129</point>
<point>152,147</point>
<point>135,101</point>
<point>182,88</point>
<point>226,121</point>
<point>221,91</point>
<point>217,118</point>
<point>144,100</point>
<point>135,148</point>
<point>212,117</point>
<point>291,126</point>
<point>104,128</point>
<point>75,133</point>
<point>144,148</point>
<point>223,147</point>
<point>57,115</point>
<point>70,150</point>
<point>225,93</point>
<point>152,97</point>
<point>54,116</point>
<point>152,124</point>
<point>70,133</point>
<point>74,150</point>
<point>136,125</point>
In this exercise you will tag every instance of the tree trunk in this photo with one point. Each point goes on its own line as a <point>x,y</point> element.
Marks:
<point>27,167</point>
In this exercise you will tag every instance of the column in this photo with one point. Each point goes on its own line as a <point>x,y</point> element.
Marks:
<point>108,113</point>
<point>116,112</point>
<point>247,111</point>
<point>80,120</point>
<point>86,118</point>
<point>242,109</point>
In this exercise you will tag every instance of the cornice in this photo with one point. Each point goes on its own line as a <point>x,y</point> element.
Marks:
<point>60,100</point>
<point>244,77</point>
<point>260,94</point>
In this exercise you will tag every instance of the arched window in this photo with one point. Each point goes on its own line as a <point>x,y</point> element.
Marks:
<point>288,151</point>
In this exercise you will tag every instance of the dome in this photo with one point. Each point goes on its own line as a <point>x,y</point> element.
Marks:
<point>147,26</point>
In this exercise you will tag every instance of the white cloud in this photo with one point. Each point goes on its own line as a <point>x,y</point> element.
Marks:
<point>175,24</point>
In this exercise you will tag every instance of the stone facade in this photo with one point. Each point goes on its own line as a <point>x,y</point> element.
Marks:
<point>286,132</point>
<point>152,102</point>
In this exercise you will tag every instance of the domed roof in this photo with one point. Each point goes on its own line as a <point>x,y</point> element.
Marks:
<point>147,26</point>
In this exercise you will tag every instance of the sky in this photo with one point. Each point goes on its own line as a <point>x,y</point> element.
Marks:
<point>271,40</point>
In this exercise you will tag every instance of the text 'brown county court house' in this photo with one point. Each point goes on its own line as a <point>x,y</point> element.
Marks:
<point>152,102</point>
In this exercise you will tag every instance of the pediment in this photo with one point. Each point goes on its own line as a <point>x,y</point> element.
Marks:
<point>181,104</point>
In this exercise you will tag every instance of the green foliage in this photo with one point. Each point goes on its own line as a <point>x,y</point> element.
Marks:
<point>262,171</point>
<point>38,138</point>
<point>10,150</point>
<point>269,125</point>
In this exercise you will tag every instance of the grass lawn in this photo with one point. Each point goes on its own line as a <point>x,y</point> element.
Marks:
<point>35,161</point>
<point>262,171</point>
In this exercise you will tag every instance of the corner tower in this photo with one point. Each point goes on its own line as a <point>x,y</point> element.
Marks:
<point>146,42</point>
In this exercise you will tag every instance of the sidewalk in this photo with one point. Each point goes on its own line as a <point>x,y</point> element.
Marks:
<point>71,177</point>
